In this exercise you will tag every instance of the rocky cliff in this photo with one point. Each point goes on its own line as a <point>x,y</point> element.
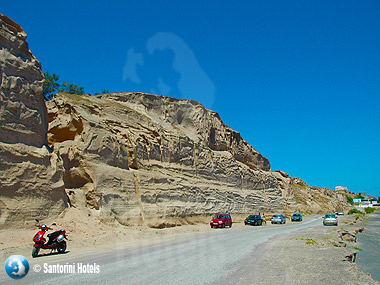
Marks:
<point>317,200</point>
<point>31,183</point>
<point>145,159</point>
<point>22,107</point>
<point>127,158</point>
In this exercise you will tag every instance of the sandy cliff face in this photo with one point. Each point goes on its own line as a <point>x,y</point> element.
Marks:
<point>317,200</point>
<point>146,159</point>
<point>129,158</point>
<point>31,182</point>
<point>22,108</point>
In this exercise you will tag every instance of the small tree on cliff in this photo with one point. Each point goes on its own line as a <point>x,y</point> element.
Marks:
<point>50,85</point>
<point>104,91</point>
<point>71,89</point>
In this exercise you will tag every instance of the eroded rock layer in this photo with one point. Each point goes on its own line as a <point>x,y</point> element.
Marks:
<point>31,184</point>
<point>318,200</point>
<point>146,159</point>
<point>22,107</point>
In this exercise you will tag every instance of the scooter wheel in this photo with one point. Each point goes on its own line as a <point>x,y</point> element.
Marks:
<point>61,247</point>
<point>35,251</point>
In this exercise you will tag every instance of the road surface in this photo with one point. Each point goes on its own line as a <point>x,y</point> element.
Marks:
<point>203,258</point>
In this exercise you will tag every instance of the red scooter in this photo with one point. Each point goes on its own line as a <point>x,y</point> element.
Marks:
<point>56,240</point>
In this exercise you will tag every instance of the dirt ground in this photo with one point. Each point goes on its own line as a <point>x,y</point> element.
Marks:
<point>316,256</point>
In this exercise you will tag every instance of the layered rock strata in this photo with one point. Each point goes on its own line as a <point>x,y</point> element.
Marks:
<point>145,159</point>
<point>317,200</point>
<point>31,184</point>
<point>22,107</point>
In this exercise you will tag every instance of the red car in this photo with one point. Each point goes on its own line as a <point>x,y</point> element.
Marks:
<point>221,221</point>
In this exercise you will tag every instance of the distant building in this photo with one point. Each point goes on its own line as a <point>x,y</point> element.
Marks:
<point>365,203</point>
<point>341,188</point>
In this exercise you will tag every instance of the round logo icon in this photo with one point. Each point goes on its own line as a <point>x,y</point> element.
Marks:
<point>17,266</point>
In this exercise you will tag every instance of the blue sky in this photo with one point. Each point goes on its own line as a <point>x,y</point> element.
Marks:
<point>300,80</point>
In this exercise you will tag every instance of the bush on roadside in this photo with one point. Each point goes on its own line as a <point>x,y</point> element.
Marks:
<point>369,210</point>
<point>354,211</point>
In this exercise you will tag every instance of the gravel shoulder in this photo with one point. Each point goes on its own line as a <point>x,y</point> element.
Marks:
<point>312,256</point>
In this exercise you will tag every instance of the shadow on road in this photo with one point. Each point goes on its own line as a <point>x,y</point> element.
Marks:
<point>51,254</point>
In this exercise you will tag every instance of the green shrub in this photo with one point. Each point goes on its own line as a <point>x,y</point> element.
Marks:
<point>52,85</point>
<point>310,241</point>
<point>360,196</point>
<point>354,211</point>
<point>369,210</point>
<point>350,199</point>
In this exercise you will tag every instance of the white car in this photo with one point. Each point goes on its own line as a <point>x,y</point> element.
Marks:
<point>278,219</point>
<point>330,219</point>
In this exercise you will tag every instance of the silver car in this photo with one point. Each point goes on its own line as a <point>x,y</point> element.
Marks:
<point>330,219</point>
<point>278,219</point>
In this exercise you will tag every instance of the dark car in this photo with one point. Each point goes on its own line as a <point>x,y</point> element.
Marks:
<point>221,221</point>
<point>297,218</point>
<point>254,220</point>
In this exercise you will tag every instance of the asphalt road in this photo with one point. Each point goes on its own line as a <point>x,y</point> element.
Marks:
<point>197,259</point>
